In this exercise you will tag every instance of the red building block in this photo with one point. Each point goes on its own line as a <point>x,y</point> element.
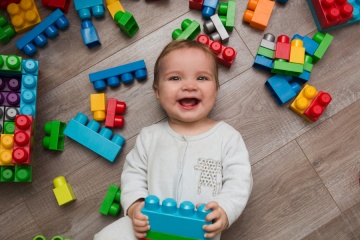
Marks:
<point>283,48</point>
<point>196,4</point>
<point>333,12</point>
<point>317,107</point>
<point>54,4</point>
<point>225,55</point>
<point>23,139</point>
<point>114,108</point>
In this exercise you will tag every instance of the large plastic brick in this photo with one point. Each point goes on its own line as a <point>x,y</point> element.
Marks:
<point>258,13</point>
<point>113,7</point>
<point>324,41</point>
<point>6,30</point>
<point>281,89</point>
<point>63,5</point>
<point>87,134</point>
<point>263,63</point>
<point>209,8</point>
<point>98,106</point>
<point>216,29</point>
<point>303,99</point>
<point>227,13</point>
<point>23,173</point>
<point>114,108</point>
<point>297,53</point>
<point>24,16</point>
<point>6,148</point>
<point>281,66</point>
<point>88,8</point>
<point>54,139</point>
<point>126,22</point>
<point>63,191</point>
<point>28,95</point>
<point>10,65</point>
<point>189,30</point>
<point>168,218</point>
<point>111,202</point>
<point>318,106</point>
<point>24,130</point>
<point>5,3</point>
<point>89,34</point>
<point>7,173</point>
<point>113,75</point>
<point>196,4</point>
<point>225,55</point>
<point>283,48</point>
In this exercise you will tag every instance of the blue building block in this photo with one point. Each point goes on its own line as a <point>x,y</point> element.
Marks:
<point>87,133</point>
<point>304,77</point>
<point>167,218</point>
<point>86,7</point>
<point>263,63</point>
<point>309,44</point>
<point>281,89</point>
<point>29,84</point>
<point>89,34</point>
<point>209,8</point>
<point>48,27</point>
<point>112,75</point>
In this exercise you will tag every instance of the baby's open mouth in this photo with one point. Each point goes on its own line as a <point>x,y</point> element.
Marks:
<point>188,102</point>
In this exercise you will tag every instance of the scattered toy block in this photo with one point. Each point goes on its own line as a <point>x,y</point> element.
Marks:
<point>258,13</point>
<point>98,106</point>
<point>89,34</point>
<point>209,8</point>
<point>63,191</point>
<point>88,8</point>
<point>281,89</point>
<point>113,7</point>
<point>196,4</point>
<point>111,202</point>
<point>216,29</point>
<point>6,30</point>
<point>54,139</point>
<point>324,41</point>
<point>24,131</point>
<point>126,22</point>
<point>63,5</point>
<point>297,52</point>
<point>114,108</point>
<point>24,16</point>
<point>189,30</point>
<point>303,99</point>
<point>226,13</point>
<point>318,106</point>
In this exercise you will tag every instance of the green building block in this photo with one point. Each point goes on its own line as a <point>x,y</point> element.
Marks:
<point>324,41</point>
<point>9,127</point>
<point>55,135</point>
<point>287,68</point>
<point>152,235</point>
<point>126,22</point>
<point>266,52</point>
<point>6,30</point>
<point>10,64</point>
<point>7,174</point>
<point>226,13</point>
<point>23,173</point>
<point>308,66</point>
<point>189,30</point>
<point>111,203</point>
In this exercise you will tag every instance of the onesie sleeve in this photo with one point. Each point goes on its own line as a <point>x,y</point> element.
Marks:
<point>134,176</point>
<point>236,178</point>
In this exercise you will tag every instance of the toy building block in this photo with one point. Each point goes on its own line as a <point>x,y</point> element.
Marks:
<point>54,4</point>
<point>309,44</point>
<point>317,107</point>
<point>126,22</point>
<point>7,174</point>
<point>63,191</point>
<point>89,34</point>
<point>10,113</point>
<point>114,108</point>
<point>113,75</point>
<point>10,99</point>
<point>98,106</point>
<point>12,84</point>
<point>216,29</point>
<point>6,148</point>
<point>28,95</point>
<point>283,48</point>
<point>30,66</point>
<point>324,41</point>
<point>9,128</point>
<point>281,66</point>
<point>224,55</point>
<point>305,75</point>
<point>23,173</point>
<point>113,7</point>
<point>111,203</point>
<point>54,139</point>
<point>6,30</point>
<point>303,99</point>
<point>196,4</point>
<point>189,30</point>
<point>266,52</point>
<point>87,133</point>
<point>268,41</point>
<point>281,88</point>
<point>85,8</point>
<point>297,53</point>
<point>209,8</point>
<point>24,16</point>
<point>10,65</point>
<point>258,13</point>
<point>226,13</point>
<point>47,28</point>
<point>24,131</point>
<point>5,3</point>
<point>169,219</point>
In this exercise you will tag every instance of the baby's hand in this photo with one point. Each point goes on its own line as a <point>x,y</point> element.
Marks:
<point>219,218</point>
<point>139,221</point>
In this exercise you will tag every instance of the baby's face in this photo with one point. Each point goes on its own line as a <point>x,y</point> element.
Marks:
<point>187,88</point>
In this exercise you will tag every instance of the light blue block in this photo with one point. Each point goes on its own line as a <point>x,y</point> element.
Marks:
<point>89,34</point>
<point>281,88</point>
<point>28,95</point>
<point>87,8</point>
<point>181,221</point>
<point>87,133</point>
<point>209,8</point>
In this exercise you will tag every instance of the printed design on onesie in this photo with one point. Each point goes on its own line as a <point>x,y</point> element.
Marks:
<point>209,169</point>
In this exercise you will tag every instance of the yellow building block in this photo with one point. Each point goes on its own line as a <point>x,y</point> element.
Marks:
<point>297,51</point>
<point>303,100</point>
<point>98,106</point>
<point>6,148</point>
<point>63,191</point>
<point>24,16</point>
<point>114,6</point>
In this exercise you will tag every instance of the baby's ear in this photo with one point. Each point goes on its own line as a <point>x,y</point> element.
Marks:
<point>156,90</point>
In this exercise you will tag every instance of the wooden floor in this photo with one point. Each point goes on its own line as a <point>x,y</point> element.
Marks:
<point>305,175</point>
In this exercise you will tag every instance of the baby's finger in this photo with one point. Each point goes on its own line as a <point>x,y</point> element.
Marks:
<point>140,235</point>
<point>212,227</point>
<point>212,216</point>
<point>141,229</point>
<point>211,205</point>
<point>140,223</point>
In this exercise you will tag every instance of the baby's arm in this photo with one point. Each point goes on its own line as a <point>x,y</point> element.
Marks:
<point>139,221</point>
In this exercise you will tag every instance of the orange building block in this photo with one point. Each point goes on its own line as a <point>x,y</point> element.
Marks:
<point>24,16</point>
<point>258,13</point>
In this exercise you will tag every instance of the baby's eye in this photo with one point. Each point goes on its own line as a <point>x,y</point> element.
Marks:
<point>202,78</point>
<point>174,78</point>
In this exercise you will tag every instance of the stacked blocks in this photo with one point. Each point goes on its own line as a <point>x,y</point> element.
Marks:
<point>6,30</point>
<point>209,8</point>
<point>216,29</point>
<point>54,139</point>
<point>88,133</point>
<point>225,55</point>
<point>113,75</point>
<point>258,13</point>
<point>47,28</point>
<point>98,106</point>
<point>114,108</point>
<point>126,22</point>
<point>189,30</point>
<point>89,34</point>
<point>63,5</point>
<point>24,16</point>
<point>169,220</point>
<point>88,8</point>
<point>111,203</point>
<point>196,4</point>
<point>226,13</point>
<point>63,191</point>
